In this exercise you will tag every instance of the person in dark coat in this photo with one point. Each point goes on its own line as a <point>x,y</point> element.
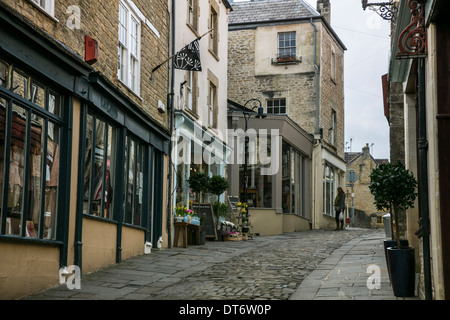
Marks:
<point>339,206</point>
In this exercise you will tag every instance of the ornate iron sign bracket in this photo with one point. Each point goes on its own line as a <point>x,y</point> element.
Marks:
<point>386,10</point>
<point>412,42</point>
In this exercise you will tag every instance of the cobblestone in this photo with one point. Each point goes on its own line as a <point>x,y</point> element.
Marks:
<point>268,268</point>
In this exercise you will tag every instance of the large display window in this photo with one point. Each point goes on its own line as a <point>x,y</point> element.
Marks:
<point>100,155</point>
<point>31,131</point>
<point>133,197</point>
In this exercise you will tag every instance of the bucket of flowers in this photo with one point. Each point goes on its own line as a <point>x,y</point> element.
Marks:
<point>235,236</point>
<point>180,213</point>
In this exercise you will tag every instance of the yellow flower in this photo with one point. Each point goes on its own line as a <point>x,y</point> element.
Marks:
<point>238,204</point>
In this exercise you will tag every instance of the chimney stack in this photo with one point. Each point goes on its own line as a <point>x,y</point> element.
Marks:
<point>324,8</point>
<point>366,150</point>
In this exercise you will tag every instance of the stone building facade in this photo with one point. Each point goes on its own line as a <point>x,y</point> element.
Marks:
<point>423,80</point>
<point>285,54</point>
<point>362,163</point>
<point>69,23</point>
<point>84,137</point>
<point>200,98</point>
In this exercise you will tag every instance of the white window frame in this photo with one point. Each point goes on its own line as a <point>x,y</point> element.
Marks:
<point>46,5</point>
<point>212,96</point>
<point>330,183</point>
<point>213,35</point>
<point>287,47</point>
<point>333,127</point>
<point>280,101</point>
<point>189,90</point>
<point>333,66</point>
<point>129,48</point>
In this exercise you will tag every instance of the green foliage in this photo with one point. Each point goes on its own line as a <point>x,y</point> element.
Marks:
<point>199,182</point>
<point>392,185</point>
<point>394,188</point>
<point>218,185</point>
<point>220,209</point>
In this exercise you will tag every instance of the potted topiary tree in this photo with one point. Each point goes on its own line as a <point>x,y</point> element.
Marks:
<point>394,189</point>
<point>217,186</point>
<point>198,182</point>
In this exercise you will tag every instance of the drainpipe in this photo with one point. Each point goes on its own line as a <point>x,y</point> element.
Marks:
<point>171,110</point>
<point>316,67</point>
<point>316,131</point>
<point>423,177</point>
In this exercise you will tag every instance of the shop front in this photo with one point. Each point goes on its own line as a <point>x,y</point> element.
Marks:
<point>278,172</point>
<point>81,167</point>
<point>196,149</point>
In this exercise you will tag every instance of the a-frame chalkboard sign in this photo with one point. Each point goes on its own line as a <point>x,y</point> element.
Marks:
<point>206,215</point>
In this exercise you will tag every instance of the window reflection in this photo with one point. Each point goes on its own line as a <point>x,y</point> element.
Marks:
<point>98,168</point>
<point>16,170</point>
<point>134,182</point>
<point>52,165</point>
<point>31,156</point>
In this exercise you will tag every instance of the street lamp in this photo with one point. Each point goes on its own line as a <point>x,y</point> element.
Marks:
<point>247,114</point>
<point>386,10</point>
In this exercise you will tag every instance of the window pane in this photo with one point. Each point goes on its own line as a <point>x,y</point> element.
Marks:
<point>37,95</point>
<point>125,180</point>
<point>293,189</point>
<point>121,63</point>
<point>87,164</point>
<point>110,167</point>
<point>20,83</point>
<point>3,74</point>
<point>134,36</point>
<point>285,192</point>
<point>133,70</point>
<point>52,180</point>
<point>139,184</point>
<point>123,12</point>
<point>2,149</point>
<point>16,170</point>
<point>36,177</point>
<point>55,103</point>
<point>99,168</point>
<point>131,183</point>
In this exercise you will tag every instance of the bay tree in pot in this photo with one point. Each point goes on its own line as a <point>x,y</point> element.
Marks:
<point>199,183</point>
<point>217,186</point>
<point>394,189</point>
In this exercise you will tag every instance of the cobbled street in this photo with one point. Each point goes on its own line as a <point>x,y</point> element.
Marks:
<point>269,268</point>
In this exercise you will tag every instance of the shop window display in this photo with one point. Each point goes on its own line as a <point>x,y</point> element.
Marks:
<point>29,156</point>
<point>134,182</point>
<point>99,166</point>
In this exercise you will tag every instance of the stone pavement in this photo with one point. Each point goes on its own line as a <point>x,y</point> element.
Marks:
<point>308,265</point>
<point>355,271</point>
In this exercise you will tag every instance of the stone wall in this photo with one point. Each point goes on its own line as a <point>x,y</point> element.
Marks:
<point>332,91</point>
<point>99,20</point>
<point>297,83</point>
<point>363,166</point>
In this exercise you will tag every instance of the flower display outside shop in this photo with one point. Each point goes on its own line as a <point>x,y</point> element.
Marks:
<point>242,206</point>
<point>183,214</point>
